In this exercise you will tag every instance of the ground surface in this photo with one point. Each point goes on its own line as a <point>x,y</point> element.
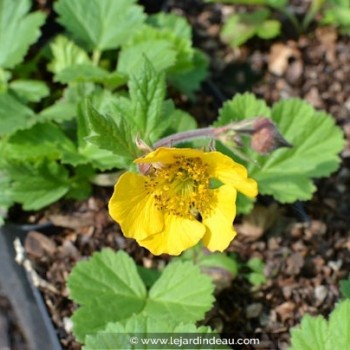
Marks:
<point>306,247</point>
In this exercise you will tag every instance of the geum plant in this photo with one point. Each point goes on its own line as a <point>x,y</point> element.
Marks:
<point>55,139</point>
<point>180,190</point>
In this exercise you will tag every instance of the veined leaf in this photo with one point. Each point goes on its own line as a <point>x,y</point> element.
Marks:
<point>14,115</point>
<point>30,90</point>
<point>66,54</point>
<point>109,289</point>
<point>315,333</point>
<point>287,174</point>
<point>18,30</point>
<point>37,186</point>
<point>118,335</point>
<point>100,24</point>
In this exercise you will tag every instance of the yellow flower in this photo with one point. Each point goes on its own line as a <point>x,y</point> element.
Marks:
<point>186,195</point>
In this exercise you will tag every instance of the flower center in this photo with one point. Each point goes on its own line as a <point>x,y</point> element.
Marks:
<point>181,188</point>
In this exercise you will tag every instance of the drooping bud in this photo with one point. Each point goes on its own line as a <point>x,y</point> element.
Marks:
<point>265,136</point>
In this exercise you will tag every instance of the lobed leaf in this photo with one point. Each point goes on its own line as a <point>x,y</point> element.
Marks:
<point>100,24</point>
<point>18,30</point>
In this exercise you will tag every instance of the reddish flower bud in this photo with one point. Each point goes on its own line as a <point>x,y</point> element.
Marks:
<point>265,137</point>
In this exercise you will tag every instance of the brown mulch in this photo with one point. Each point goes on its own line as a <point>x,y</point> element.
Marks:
<point>306,248</point>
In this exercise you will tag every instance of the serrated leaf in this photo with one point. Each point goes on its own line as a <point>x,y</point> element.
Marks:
<point>172,298</point>
<point>58,112</point>
<point>37,186</point>
<point>175,23</point>
<point>182,47</point>
<point>190,81</point>
<point>160,52</point>
<point>30,90</point>
<point>81,73</point>
<point>94,22</point>
<point>147,92</point>
<point>315,333</point>
<point>312,334</point>
<point>40,141</point>
<point>339,327</point>
<point>14,115</point>
<point>18,30</point>
<point>345,287</point>
<point>242,107</point>
<point>287,174</point>
<point>118,335</point>
<point>108,288</point>
<point>66,54</point>
<point>5,193</point>
<point>112,134</point>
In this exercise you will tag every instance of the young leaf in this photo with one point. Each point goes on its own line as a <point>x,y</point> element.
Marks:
<point>122,334</point>
<point>108,288</point>
<point>147,92</point>
<point>18,30</point>
<point>100,24</point>
<point>171,297</point>
<point>66,54</point>
<point>112,134</point>
<point>30,90</point>
<point>37,186</point>
<point>14,115</point>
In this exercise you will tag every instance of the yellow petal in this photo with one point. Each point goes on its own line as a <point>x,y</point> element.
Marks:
<point>230,173</point>
<point>133,208</point>
<point>220,231</point>
<point>178,235</point>
<point>168,155</point>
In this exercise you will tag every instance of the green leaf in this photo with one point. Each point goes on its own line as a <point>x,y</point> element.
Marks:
<point>147,92</point>
<point>18,30</point>
<point>269,29</point>
<point>158,51</point>
<point>190,81</point>
<point>219,260</point>
<point>5,193</point>
<point>100,24</point>
<point>315,333</point>
<point>112,134</point>
<point>242,107</point>
<point>257,276</point>
<point>345,287</point>
<point>118,335</point>
<point>14,115</point>
<point>339,326</point>
<point>59,112</point>
<point>171,297</point>
<point>30,90</point>
<point>145,39</point>
<point>287,174</point>
<point>108,288</point>
<point>40,141</point>
<point>66,54</point>
<point>175,23</point>
<point>312,334</point>
<point>37,186</point>
<point>81,73</point>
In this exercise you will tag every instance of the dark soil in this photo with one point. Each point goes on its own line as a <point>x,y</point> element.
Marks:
<point>306,247</point>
